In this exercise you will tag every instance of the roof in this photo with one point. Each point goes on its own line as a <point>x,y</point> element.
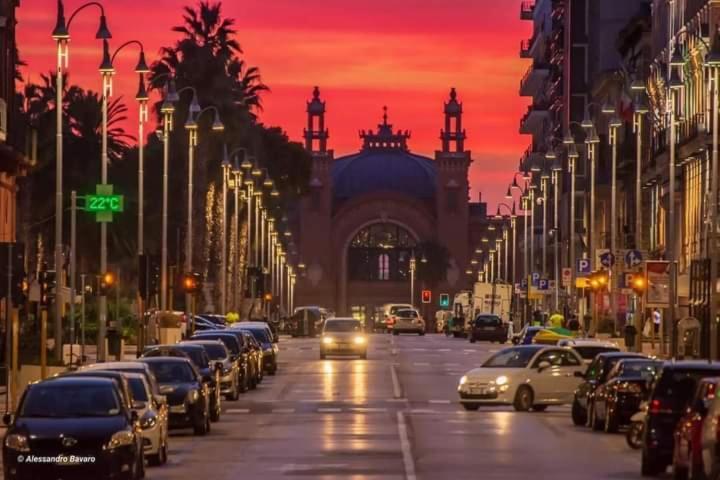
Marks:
<point>166,359</point>
<point>112,366</point>
<point>77,380</point>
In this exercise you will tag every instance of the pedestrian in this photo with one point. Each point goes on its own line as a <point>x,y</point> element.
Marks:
<point>573,323</point>
<point>556,320</point>
<point>657,320</point>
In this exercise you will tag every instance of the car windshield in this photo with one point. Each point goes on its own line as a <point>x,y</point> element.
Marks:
<point>172,372</point>
<point>231,344</point>
<point>511,358</point>
<point>634,369</point>
<point>407,314</point>
<point>215,351</point>
<point>397,308</point>
<point>589,352</point>
<point>137,387</point>
<point>487,321</point>
<point>196,355</point>
<point>260,335</point>
<point>342,326</point>
<point>69,401</point>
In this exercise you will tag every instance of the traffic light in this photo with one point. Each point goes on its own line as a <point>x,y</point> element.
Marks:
<point>107,283</point>
<point>444,300</point>
<point>268,297</point>
<point>639,284</point>
<point>47,287</point>
<point>599,280</point>
<point>190,282</point>
<point>426,296</point>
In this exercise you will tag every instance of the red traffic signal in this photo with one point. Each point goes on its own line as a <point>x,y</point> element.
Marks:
<point>190,282</point>
<point>426,296</point>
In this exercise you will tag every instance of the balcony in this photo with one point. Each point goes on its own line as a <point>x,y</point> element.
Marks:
<point>527,9</point>
<point>533,119</point>
<point>534,79</point>
<point>525,48</point>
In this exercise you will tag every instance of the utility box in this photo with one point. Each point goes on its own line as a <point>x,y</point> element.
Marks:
<point>169,327</point>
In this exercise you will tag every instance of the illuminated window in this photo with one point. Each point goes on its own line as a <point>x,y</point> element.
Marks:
<point>380,252</point>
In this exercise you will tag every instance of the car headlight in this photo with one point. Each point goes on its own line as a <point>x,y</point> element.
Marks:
<point>192,396</point>
<point>501,380</point>
<point>120,439</point>
<point>359,340</point>
<point>148,420</point>
<point>328,340</point>
<point>17,442</point>
<point>463,380</point>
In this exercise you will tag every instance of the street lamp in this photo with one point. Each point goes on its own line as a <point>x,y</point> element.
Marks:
<point>556,169</point>
<point>226,167</point>
<point>107,70</point>
<point>61,35</point>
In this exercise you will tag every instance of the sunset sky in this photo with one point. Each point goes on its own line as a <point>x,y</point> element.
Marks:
<point>405,54</point>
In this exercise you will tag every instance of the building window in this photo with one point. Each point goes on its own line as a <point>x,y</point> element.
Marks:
<point>380,253</point>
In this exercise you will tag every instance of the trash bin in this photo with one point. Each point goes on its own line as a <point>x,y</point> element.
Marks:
<point>630,336</point>
<point>114,340</point>
<point>688,338</point>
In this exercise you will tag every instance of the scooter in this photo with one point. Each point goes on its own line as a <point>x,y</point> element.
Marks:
<point>635,433</point>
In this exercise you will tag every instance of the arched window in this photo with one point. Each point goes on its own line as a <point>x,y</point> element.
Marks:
<point>380,252</point>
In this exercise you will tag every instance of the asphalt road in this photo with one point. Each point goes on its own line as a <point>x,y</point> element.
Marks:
<point>394,416</point>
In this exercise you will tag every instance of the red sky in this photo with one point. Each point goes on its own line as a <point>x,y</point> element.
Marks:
<point>405,54</point>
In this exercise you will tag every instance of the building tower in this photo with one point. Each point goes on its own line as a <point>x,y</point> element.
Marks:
<point>453,136</point>
<point>316,134</point>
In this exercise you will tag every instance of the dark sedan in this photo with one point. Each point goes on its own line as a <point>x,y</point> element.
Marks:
<point>595,375</point>
<point>619,398</point>
<point>75,427</point>
<point>229,372</point>
<point>209,372</point>
<point>187,395</point>
<point>488,327</point>
<point>239,353</point>
<point>249,350</point>
<point>263,336</point>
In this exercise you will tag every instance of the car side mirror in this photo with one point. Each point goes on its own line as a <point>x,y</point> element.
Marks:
<point>579,374</point>
<point>544,365</point>
<point>7,419</point>
<point>138,405</point>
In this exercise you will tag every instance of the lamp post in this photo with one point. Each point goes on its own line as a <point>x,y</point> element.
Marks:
<point>544,177</point>
<point>712,60</point>
<point>61,35</point>
<point>256,172</point>
<point>223,222</point>
<point>107,70</point>
<point>512,277</point>
<point>613,127</point>
<point>556,168</point>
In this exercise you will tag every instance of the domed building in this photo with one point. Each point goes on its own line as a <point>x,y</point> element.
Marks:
<point>366,214</point>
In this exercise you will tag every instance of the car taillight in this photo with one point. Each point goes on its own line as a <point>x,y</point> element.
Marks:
<point>658,406</point>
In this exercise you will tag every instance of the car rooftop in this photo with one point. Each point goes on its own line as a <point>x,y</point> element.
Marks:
<point>698,364</point>
<point>77,380</point>
<point>110,365</point>
<point>166,359</point>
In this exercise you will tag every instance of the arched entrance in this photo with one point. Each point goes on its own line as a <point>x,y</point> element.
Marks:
<point>376,261</point>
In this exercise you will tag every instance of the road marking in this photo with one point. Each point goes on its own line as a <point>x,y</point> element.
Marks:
<point>405,447</point>
<point>396,400</point>
<point>421,364</point>
<point>452,364</point>
<point>283,410</point>
<point>439,402</point>
<point>443,350</point>
<point>237,410</point>
<point>397,392</point>
<point>422,410</point>
<point>470,350</point>
<point>394,351</point>
<point>368,410</point>
<point>329,410</point>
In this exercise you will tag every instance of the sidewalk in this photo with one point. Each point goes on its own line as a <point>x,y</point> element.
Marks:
<point>647,347</point>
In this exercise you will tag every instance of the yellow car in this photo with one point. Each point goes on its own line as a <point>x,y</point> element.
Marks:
<point>550,336</point>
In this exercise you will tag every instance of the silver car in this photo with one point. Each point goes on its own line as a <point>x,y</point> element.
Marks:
<point>408,321</point>
<point>343,336</point>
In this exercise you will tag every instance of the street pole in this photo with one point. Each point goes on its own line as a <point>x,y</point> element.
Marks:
<point>167,111</point>
<point>526,264</point>
<point>556,200</point>
<point>712,251</point>
<point>82,318</point>
<point>571,229</point>
<point>412,279</point>
<point>62,58</point>
<point>507,244</point>
<point>192,142</point>
<point>142,118</point>
<point>102,301</point>
<point>236,226</point>
<point>614,277</point>
<point>223,239</point>
<point>73,262</point>
<point>544,188</point>
<point>591,241</point>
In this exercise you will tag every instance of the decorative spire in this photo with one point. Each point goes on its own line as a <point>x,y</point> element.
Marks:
<point>453,135</point>
<point>385,139</point>
<point>385,115</point>
<point>316,134</point>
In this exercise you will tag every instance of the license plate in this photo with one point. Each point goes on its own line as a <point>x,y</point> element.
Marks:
<point>478,391</point>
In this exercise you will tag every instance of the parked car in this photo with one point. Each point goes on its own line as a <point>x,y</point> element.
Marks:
<point>82,416</point>
<point>252,352</point>
<point>131,367</point>
<point>229,371</point>
<point>219,320</point>
<point>343,336</point>
<point>588,348</point>
<point>408,320</point>
<point>671,394</point>
<point>202,323</point>
<point>709,444</point>
<point>153,419</point>
<point>527,377</point>
<point>488,326</point>
<point>118,377</point>
<point>525,335</point>
<point>188,396</point>
<point>688,448</point>
<point>617,399</point>
<point>390,310</point>
<point>595,375</point>
<point>264,337</point>
<point>256,355</point>
<point>209,372</point>
<point>238,353</point>
<point>305,321</point>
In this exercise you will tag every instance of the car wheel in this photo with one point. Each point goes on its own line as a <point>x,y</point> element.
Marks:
<point>649,467</point>
<point>395,332</point>
<point>273,370</point>
<point>539,408</point>
<point>523,399</point>
<point>471,407</point>
<point>579,415</point>
<point>611,424</point>
<point>202,426</point>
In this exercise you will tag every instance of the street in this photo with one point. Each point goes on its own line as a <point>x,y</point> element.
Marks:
<point>394,416</point>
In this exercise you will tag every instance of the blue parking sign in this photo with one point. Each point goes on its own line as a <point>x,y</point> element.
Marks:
<point>535,279</point>
<point>523,283</point>
<point>543,284</point>
<point>583,266</point>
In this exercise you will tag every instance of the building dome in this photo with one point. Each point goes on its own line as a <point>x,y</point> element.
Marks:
<point>385,163</point>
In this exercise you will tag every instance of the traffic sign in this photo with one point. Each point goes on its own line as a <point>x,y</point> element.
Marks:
<point>607,259</point>
<point>566,276</point>
<point>633,258</point>
<point>552,284</point>
<point>535,279</point>
<point>543,284</point>
<point>104,203</point>
<point>627,279</point>
<point>523,284</point>
<point>583,266</point>
<point>582,282</point>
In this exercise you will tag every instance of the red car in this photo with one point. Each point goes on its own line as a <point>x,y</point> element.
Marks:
<point>687,457</point>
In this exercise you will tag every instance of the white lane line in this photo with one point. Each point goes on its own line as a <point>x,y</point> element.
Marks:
<point>397,392</point>
<point>421,364</point>
<point>443,349</point>
<point>422,410</point>
<point>451,364</point>
<point>368,410</point>
<point>405,447</point>
<point>329,410</point>
<point>396,400</point>
<point>283,410</point>
<point>237,410</point>
<point>439,402</point>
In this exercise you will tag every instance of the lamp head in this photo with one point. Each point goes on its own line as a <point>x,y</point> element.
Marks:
<point>676,59</point>
<point>217,125</point>
<point>641,105</point>
<point>246,164</point>
<point>556,166</point>
<point>615,121</point>
<point>103,30</point>
<point>608,108</point>
<point>256,172</point>
<point>508,194</point>
<point>194,107</point>
<point>568,138</point>
<point>498,215</point>
<point>171,94</point>
<point>274,192</point>
<point>514,183</point>
<point>587,121</point>
<point>60,32</point>
<point>550,154</point>
<point>593,136</point>
<point>535,166</point>
<point>573,151</point>
<point>190,123</point>
<point>142,66</point>
<point>106,65</point>
<point>637,85</point>
<point>142,94</point>
<point>675,83</point>
<point>267,183</point>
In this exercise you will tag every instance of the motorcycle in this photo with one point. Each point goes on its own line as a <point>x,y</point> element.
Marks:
<point>634,435</point>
